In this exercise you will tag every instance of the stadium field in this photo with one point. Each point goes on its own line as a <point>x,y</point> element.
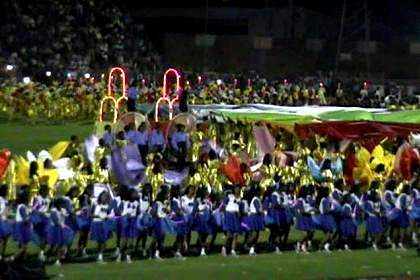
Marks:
<point>360,263</point>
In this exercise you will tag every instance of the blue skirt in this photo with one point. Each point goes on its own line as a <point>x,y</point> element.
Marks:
<point>348,228</point>
<point>70,221</point>
<point>305,223</point>
<point>325,222</point>
<point>129,227</point>
<point>399,218</point>
<point>6,228</point>
<point>181,225</point>
<point>118,225</point>
<point>374,225</point>
<point>22,232</point>
<point>161,226</point>
<point>83,221</point>
<point>40,224</point>
<point>101,231</point>
<point>415,214</point>
<point>202,223</point>
<point>232,222</point>
<point>254,222</point>
<point>59,235</point>
<point>218,218</point>
<point>144,223</point>
<point>279,217</point>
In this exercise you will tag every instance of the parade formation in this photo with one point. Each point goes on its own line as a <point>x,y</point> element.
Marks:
<point>144,177</point>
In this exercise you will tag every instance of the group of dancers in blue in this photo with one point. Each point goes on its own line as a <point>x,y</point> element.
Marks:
<point>132,216</point>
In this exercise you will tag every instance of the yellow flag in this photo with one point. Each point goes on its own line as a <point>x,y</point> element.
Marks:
<point>58,149</point>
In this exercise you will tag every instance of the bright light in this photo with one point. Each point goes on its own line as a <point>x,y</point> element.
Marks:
<point>199,79</point>
<point>285,81</point>
<point>143,81</point>
<point>219,82</point>
<point>87,76</point>
<point>48,73</point>
<point>188,82</point>
<point>102,76</point>
<point>68,75</point>
<point>26,80</point>
<point>9,67</point>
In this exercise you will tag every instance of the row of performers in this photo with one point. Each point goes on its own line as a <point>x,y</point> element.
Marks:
<point>132,216</point>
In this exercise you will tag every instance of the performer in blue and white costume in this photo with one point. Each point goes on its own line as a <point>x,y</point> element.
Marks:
<point>415,213</point>
<point>387,205</point>
<point>101,228</point>
<point>374,227</point>
<point>255,218</point>
<point>144,219</point>
<point>325,221</point>
<point>304,222</point>
<point>129,231</point>
<point>203,219</point>
<point>400,219</point>
<point>5,225</point>
<point>348,227</point>
<point>276,205</point>
<point>23,230</point>
<point>189,206</point>
<point>180,221</point>
<point>159,211</point>
<point>40,219</point>
<point>59,235</point>
<point>84,219</point>
<point>231,219</point>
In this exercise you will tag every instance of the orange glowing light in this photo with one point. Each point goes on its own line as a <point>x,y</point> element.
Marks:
<point>117,103</point>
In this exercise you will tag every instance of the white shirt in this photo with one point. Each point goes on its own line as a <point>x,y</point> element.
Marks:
<point>130,208</point>
<point>3,208</point>
<point>41,204</point>
<point>100,212</point>
<point>252,208</point>
<point>232,204</point>
<point>22,207</point>
<point>187,204</point>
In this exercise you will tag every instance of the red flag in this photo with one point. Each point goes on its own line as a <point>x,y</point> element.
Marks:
<point>4,161</point>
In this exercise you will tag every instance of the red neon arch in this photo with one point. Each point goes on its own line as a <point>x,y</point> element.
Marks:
<point>165,77</point>
<point>165,97</point>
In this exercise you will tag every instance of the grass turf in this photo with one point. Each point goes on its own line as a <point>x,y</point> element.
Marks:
<point>20,137</point>
<point>338,265</point>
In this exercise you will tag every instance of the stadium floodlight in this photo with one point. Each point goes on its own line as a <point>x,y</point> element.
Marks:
<point>48,73</point>
<point>26,80</point>
<point>9,67</point>
<point>87,76</point>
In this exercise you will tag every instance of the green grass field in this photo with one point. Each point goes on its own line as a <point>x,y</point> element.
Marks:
<point>362,263</point>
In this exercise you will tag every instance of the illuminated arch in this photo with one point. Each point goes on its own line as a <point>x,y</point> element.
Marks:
<point>110,94</point>
<point>165,96</point>
<point>114,102</point>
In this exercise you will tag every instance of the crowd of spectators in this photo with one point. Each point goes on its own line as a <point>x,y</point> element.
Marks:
<point>71,37</point>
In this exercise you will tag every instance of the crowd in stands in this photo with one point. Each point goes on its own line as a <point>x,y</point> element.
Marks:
<point>72,37</point>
